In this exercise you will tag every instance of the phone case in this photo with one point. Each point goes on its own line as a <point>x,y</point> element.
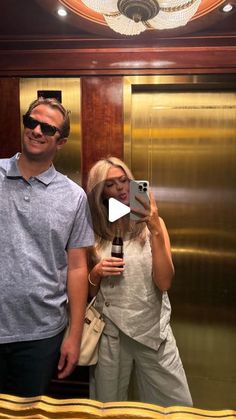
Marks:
<point>138,188</point>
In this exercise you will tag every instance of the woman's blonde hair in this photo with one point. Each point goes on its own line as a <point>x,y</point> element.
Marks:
<point>104,230</point>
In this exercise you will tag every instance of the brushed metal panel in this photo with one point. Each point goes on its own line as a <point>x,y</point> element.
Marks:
<point>182,138</point>
<point>68,159</point>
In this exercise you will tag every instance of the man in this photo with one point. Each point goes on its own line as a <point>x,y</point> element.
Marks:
<point>45,230</point>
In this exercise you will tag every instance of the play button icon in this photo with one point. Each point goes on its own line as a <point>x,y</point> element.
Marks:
<point>116,209</point>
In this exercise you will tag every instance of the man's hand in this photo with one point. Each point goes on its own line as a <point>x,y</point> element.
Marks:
<point>69,357</point>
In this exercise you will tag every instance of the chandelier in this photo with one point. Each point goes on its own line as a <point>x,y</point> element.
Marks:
<point>131,17</point>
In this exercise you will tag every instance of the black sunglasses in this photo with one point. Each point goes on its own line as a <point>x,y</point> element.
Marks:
<point>46,129</point>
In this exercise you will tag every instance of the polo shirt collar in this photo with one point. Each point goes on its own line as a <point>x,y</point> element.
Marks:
<point>12,171</point>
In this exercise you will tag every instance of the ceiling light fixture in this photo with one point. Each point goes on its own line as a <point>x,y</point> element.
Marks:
<point>131,17</point>
<point>227,8</point>
<point>62,12</point>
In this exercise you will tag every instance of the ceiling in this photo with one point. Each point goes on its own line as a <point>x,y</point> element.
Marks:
<point>35,19</point>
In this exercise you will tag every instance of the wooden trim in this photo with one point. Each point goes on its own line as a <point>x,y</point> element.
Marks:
<point>122,61</point>
<point>82,42</point>
<point>13,406</point>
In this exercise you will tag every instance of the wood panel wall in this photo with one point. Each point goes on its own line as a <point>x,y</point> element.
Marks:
<point>61,56</point>
<point>101,65</point>
<point>85,58</point>
<point>102,119</point>
<point>10,136</point>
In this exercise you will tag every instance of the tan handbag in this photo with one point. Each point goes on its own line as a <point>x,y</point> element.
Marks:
<point>93,327</point>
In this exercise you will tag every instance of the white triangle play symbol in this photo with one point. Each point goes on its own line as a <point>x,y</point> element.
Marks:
<point>116,209</point>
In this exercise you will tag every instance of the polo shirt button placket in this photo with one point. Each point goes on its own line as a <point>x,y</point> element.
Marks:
<point>27,192</point>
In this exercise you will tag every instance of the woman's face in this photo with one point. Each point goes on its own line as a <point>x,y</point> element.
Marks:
<point>117,185</point>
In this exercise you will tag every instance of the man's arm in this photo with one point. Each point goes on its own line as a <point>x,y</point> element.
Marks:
<point>77,289</point>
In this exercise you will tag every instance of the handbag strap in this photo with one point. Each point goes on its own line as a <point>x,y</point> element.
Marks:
<point>91,302</point>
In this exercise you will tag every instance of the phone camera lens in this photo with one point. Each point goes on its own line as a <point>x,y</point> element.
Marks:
<point>144,189</point>
<point>140,187</point>
<point>145,184</point>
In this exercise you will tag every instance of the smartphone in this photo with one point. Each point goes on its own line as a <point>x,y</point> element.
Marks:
<point>138,188</point>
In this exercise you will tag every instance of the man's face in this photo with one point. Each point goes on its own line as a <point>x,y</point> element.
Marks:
<point>38,145</point>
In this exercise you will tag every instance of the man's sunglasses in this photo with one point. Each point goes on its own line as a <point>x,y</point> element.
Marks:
<point>46,129</point>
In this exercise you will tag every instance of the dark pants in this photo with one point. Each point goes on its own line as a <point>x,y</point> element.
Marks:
<point>26,368</point>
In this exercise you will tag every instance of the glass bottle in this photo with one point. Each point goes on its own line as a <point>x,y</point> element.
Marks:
<point>117,245</point>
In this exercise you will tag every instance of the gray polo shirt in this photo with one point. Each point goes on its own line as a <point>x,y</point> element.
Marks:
<point>39,220</point>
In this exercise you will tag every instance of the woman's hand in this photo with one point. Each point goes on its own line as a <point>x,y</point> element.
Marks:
<point>149,214</point>
<point>162,266</point>
<point>106,267</point>
<point>109,266</point>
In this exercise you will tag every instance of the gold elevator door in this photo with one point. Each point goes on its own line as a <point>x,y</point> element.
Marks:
<point>184,143</point>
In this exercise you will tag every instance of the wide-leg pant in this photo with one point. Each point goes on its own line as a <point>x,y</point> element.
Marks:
<point>159,374</point>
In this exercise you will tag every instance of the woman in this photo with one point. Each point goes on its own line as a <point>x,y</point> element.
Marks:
<point>132,295</point>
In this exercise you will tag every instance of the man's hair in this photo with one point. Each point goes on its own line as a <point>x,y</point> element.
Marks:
<point>55,104</point>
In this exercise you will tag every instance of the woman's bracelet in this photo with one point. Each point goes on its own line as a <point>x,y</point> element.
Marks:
<point>89,280</point>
